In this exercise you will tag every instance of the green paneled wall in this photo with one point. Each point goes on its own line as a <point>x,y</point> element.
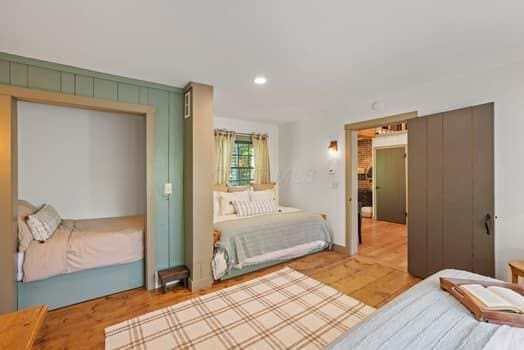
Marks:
<point>167,100</point>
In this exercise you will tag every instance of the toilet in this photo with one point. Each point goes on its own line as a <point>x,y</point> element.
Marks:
<point>366,212</point>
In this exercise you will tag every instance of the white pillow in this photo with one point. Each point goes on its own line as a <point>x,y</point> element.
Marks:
<point>44,223</point>
<point>254,208</point>
<point>266,195</point>
<point>216,203</point>
<point>226,207</point>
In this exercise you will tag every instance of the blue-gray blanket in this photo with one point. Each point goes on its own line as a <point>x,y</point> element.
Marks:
<point>257,235</point>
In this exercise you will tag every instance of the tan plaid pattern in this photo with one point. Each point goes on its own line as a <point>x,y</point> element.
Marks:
<point>282,310</point>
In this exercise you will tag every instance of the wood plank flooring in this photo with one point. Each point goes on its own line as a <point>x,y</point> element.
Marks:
<point>375,275</point>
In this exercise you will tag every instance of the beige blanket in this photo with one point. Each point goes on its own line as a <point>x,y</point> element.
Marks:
<point>86,244</point>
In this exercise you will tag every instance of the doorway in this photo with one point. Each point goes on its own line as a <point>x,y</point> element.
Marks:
<point>381,183</point>
<point>450,189</point>
<point>355,174</point>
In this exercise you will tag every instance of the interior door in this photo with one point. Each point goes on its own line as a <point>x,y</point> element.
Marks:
<point>390,184</point>
<point>451,191</point>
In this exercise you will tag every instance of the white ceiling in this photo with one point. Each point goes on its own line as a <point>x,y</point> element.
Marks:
<point>318,55</point>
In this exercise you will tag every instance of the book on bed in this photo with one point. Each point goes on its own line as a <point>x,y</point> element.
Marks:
<point>495,302</point>
<point>495,298</point>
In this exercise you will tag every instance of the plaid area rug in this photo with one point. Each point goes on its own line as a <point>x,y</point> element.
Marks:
<point>282,310</point>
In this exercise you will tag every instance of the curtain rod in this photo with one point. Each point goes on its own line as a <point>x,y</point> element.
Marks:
<point>242,133</point>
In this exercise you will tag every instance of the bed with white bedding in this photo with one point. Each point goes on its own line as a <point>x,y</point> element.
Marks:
<point>79,245</point>
<point>250,243</point>
<point>81,260</point>
<point>426,317</point>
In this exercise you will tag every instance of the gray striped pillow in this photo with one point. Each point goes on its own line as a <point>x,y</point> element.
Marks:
<point>244,208</point>
<point>44,223</point>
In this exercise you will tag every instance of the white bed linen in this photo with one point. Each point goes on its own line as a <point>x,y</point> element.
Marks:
<point>284,254</point>
<point>281,210</point>
<point>20,266</point>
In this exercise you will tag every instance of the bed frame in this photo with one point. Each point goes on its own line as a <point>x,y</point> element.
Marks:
<point>73,288</point>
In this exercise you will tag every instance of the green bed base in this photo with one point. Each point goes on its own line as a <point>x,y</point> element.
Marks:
<point>73,288</point>
<point>239,272</point>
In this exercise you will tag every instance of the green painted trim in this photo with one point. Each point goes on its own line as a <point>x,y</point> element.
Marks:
<point>5,72</point>
<point>169,134</point>
<point>105,89</point>
<point>67,83</point>
<point>87,72</point>
<point>43,79</point>
<point>18,74</point>
<point>73,288</point>
<point>176,204</point>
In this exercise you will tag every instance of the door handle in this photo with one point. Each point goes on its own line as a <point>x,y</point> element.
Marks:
<point>487,224</point>
<point>377,187</point>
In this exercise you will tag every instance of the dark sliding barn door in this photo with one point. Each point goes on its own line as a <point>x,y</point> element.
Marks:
<point>390,187</point>
<point>451,191</point>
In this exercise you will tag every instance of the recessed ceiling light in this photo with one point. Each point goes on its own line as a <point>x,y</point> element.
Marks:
<point>260,80</point>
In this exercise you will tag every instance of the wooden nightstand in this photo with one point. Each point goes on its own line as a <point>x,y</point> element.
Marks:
<point>517,269</point>
<point>216,236</point>
<point>180,273</point>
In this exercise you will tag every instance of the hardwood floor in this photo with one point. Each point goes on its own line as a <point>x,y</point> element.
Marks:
<point>375,276</point>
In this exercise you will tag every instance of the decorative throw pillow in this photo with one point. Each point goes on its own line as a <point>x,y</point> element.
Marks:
<point>267,195</point>
<point>243,208</point>
<point>226,199</point>
<point>24,233</point>
<point>44,223</point>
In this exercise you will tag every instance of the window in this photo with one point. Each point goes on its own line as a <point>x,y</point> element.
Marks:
<point>242,164</point>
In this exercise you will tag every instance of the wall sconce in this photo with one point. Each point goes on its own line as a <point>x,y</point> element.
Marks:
<point>333,148</point>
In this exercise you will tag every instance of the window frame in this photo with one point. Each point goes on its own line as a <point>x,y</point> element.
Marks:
<point>251,160</point>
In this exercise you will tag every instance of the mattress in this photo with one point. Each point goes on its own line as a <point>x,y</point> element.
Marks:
<point>85,244</point>
<point>426,317</point>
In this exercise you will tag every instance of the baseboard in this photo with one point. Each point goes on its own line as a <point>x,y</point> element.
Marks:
<point>340,249</point>
<point>200,284</point>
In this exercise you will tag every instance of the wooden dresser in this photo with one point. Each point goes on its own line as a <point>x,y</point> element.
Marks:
<point>18,330</point>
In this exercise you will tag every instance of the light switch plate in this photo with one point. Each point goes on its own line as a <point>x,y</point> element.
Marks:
<point>168,188</point>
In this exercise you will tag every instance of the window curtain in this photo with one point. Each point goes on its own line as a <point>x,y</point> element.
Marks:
<point>224,143</point>
<point>261,154</point>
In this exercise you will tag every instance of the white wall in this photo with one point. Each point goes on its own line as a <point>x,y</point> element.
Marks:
<point>303,159</point>
<point>249,127</point>
<point>87,164</point>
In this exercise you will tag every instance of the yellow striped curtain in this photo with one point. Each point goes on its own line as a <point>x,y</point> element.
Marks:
<point>261,155</point>
<point>224,143</point>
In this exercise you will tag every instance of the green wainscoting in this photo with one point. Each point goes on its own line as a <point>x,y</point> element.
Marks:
<point>76,287</point>
<point>167,100</point>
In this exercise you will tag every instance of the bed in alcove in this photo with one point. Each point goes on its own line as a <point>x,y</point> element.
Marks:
<point>91,166</point>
